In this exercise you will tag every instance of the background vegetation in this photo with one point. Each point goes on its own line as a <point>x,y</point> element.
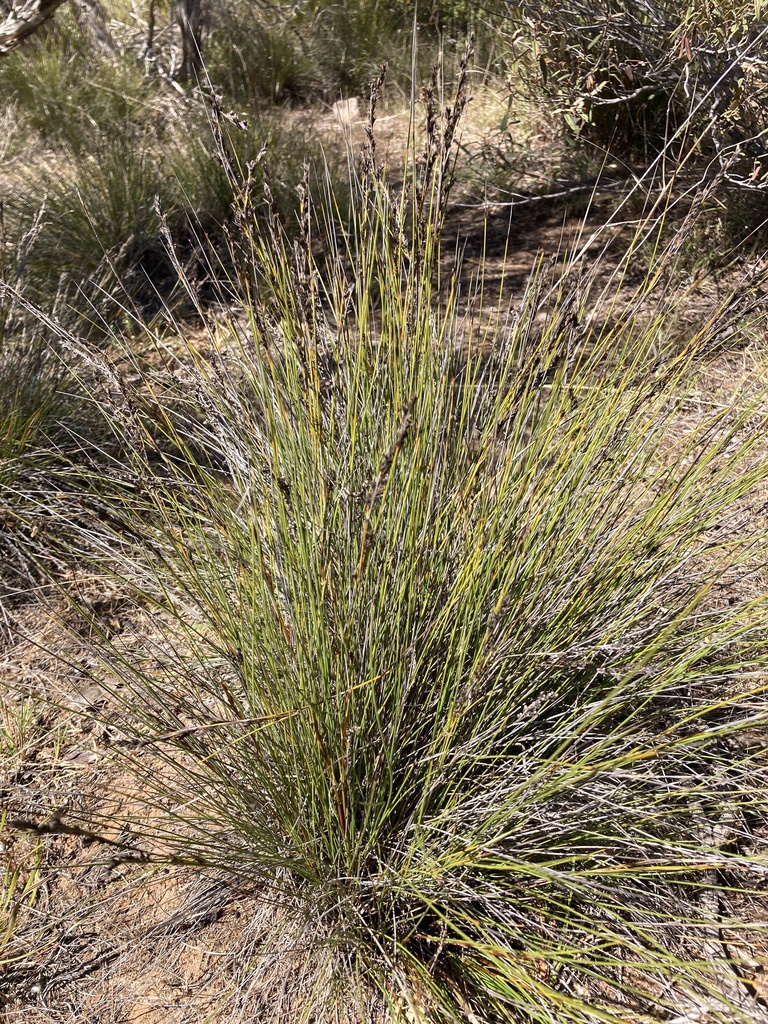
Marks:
<point>420,608</point>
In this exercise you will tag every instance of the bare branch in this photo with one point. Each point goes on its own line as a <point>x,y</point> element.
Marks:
<point>23,19</point>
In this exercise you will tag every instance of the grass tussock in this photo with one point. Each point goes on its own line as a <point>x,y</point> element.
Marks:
<point>38,425</point>
<point>447,662</point>
<point>108,153</point>
<point>95,233</point>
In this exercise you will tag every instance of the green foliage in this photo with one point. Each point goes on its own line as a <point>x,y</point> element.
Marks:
<point>257,54</point>
<point>131,168</point>
<point>736,222</point>
<point>271,52</point>
<point>99,229</point>
<point>50,432</point>
<point>629,76</point>
<point>69,92</point>
<point>32,471</point>
<point>439,660</point>
<point>357,36</point>
<point>103,224</point>
<point>445,657</point>
<point>132,164</point>
<point>29,382</point>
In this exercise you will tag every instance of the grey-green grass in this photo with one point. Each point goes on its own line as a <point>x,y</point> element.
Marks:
<point>98,226</point>
<point>446,657</point>
<point>34,465</point>
<point>126,158</point>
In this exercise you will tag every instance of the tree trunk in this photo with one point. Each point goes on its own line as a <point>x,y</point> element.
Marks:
<point>190,15</point>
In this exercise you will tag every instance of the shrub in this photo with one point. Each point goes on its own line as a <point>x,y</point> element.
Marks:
<point>629,76</point>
